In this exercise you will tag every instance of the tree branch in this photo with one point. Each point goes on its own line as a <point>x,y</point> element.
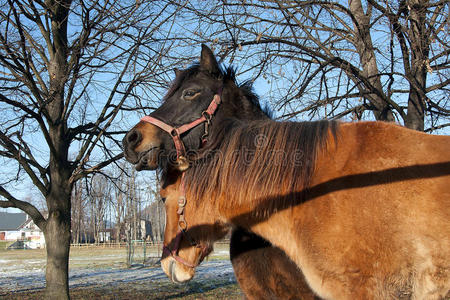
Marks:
<point>9,144</point>
<point>431,129</point>
<point>30,209</point>
<point>82,173</point>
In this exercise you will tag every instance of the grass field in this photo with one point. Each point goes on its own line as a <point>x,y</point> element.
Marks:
<point>101,273</point>
<point>4,245</point>
<point>94,256</point>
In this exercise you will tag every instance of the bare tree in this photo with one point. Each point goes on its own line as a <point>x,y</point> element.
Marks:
<point>99,198</point>
<point>67,69</point>
<point>128,206</point>
<point>155,212</point>
<point>119,206</point>
<point>133,207</point>
<point>78,212</point>
<point>339,58</point>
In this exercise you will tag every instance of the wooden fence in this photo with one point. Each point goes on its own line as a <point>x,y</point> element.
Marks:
<point>114,245</point>
<point>124,244</point>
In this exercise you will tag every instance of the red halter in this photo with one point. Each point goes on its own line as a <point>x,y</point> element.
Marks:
<point>182,226</point>
<point>175,133</point>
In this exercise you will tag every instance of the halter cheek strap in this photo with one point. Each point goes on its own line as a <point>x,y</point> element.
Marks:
<point>182,227</point>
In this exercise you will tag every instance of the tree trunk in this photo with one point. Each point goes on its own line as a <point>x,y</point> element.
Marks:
<point>58,229</point>
<point>57,238</point>
<point>368,60</point>
<point>416,112</point>
<point>417,75</point>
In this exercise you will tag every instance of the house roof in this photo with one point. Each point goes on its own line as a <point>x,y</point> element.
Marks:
<point>11,221</point>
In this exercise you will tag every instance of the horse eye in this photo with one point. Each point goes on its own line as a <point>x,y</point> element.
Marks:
<point>190,94</point>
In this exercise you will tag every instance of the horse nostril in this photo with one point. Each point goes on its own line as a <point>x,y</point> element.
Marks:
<point>133,138</point>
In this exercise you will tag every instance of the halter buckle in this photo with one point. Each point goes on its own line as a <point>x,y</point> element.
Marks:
<point>182,225</point>
<point>182,201</point>
<point>207,116</point>
<point>183,163</point>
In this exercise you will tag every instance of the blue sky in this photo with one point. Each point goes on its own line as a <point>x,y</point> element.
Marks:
<point>266,88</point>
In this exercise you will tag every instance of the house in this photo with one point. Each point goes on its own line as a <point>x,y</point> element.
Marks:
<point>20,227</point>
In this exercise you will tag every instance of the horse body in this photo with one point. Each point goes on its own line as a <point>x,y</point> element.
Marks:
<point>374,221</point>
<point>385,215</point>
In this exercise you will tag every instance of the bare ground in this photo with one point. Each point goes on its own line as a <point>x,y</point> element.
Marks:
<point>101,273</point>
<point>211,289</point>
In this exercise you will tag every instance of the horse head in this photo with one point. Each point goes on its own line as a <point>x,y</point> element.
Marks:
<point>184,247</point>
<point>192,101</point>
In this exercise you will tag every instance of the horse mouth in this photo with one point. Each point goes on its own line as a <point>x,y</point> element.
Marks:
<point>147,160</point>
<point>173,277</point>
<point>180,278</point>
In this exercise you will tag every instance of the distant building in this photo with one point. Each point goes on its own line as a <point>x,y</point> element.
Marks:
<point>104,236</point>
<point>20,227</point>
<point>154,217</point>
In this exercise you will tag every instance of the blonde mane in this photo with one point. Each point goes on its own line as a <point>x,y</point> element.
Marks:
<point>252,161</point>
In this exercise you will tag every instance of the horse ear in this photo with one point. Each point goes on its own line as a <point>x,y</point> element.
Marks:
<point>208,61</point>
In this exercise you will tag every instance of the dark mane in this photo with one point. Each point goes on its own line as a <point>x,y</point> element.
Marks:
<point>247,88</point>
<point>256,160</point>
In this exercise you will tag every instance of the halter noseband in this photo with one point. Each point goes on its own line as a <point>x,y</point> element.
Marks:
<point>175,133</point>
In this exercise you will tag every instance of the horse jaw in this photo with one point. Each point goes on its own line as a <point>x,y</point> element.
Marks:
<point>175,271</point>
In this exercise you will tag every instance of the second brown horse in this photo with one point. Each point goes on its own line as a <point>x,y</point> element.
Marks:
<point>262,270</point>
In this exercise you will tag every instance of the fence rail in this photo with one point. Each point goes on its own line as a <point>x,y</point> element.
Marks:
<point>113,245</point>
<point>140,252</point>
<point>125,244</point>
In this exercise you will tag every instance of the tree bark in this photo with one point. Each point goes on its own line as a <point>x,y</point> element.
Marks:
<point>368,60</point>
<point>57,237</point>
<point>417,75</point>
<point>416,115</point>
<point>58,232</point>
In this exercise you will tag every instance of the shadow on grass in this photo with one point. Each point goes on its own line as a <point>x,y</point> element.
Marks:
<point>204,289</point>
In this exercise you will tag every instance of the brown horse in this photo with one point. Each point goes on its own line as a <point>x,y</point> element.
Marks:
<point>362,209</point>
<point>262,271</point>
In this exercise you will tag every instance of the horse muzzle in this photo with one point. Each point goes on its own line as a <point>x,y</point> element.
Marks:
<point>141,148</point>
<point>178,273</point>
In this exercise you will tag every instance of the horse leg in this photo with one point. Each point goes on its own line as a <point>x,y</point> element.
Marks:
<point>264,271</point>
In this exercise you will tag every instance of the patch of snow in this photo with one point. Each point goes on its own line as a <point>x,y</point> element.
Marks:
<point>25,280</point>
